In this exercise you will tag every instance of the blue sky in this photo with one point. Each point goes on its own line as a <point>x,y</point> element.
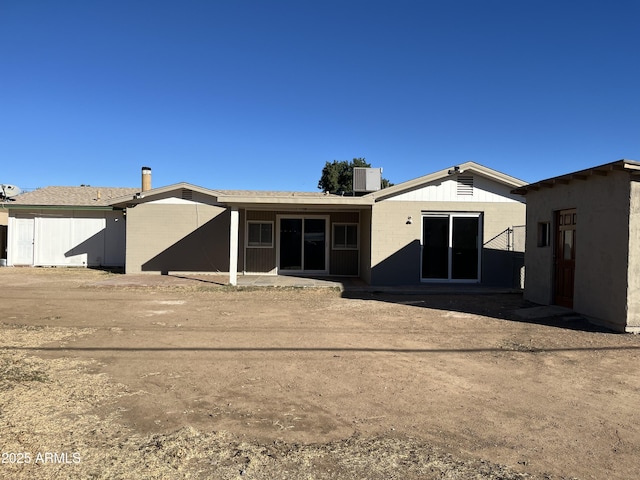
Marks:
<point>250,94</point>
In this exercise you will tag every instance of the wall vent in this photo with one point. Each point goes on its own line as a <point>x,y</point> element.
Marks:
<point>465,185</point>
<point>367,179</point>
<point>187,194</point>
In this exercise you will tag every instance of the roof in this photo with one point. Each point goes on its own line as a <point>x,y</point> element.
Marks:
<point>262,198</point>
<point>84,196</point>
<point>631,166</point>
<point>467,167</point>
<point>248,197</point>
<point>270,193</point>
<point>245,197</point>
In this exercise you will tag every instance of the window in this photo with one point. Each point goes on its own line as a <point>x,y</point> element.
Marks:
<point>260,234</point>
<point>345,236</point>
<point>544,234</point>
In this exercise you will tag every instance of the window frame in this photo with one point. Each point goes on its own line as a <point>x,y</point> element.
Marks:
<point>346,246</point>
<point>262,244</point>
<point>544,234</point>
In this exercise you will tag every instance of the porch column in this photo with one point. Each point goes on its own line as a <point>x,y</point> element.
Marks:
<point>233,247</point>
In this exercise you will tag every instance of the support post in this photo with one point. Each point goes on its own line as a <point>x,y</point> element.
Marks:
<point>233,247</point>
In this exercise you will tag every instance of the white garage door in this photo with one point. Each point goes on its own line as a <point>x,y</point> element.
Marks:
<point>69,241</point>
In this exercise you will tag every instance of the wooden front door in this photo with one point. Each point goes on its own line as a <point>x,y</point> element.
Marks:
<point>565,257</point>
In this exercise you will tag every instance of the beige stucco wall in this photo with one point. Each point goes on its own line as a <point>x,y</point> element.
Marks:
<point>177,237</point>
<point>602,232</point>
<point>395,245</point>
<point>633,273</point>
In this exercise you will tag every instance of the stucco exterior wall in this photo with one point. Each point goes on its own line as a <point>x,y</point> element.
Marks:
<point>191,237</point>
<point>633,273</point>
<point>396,244</point>
<point>602,233</point>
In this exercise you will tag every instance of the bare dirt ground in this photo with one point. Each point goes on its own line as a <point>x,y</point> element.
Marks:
<point>104,378</point>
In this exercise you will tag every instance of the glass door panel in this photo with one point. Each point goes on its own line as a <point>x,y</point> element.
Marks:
<point>314,244</point>
<point>464,248</point>
<point>291,244</point>
<point>435,252</point>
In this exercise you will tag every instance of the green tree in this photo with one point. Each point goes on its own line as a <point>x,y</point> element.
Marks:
<point>337,176</point>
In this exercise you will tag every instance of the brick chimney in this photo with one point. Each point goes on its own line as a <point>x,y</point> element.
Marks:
<point>146,179</point>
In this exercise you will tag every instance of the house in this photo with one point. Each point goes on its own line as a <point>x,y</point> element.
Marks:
<point>583,243</point>
<point>66,226</point>
<point>454,225</point>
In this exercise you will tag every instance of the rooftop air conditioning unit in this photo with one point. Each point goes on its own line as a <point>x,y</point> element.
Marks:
<point>367,179</point>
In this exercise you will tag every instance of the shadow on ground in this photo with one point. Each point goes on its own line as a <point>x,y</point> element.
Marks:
<point>505,306</point>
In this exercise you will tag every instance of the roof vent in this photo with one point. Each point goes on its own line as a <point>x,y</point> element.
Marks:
<point>465,185</point>
<point>367,179</point>
<point>187,194</point>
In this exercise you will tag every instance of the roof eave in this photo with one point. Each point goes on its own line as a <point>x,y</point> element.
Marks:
<point>61,207</point>
<point>630,166</point>
<point>242,200</point>
<point>142,197</point>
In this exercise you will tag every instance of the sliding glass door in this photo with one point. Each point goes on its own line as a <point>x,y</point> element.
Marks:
<point>303,245</point>
<point>451,247</point>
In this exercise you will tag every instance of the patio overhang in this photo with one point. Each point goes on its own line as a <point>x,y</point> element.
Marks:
<point>267,202</point>
<point>294,202</point>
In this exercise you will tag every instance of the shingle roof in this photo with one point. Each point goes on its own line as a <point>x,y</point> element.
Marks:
<point>72,196</point>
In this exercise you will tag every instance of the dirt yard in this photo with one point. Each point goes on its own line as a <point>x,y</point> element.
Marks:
<point>106,376</point>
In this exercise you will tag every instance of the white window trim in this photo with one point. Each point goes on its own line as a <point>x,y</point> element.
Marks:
<point>260,222</point>
<point>333,236</point>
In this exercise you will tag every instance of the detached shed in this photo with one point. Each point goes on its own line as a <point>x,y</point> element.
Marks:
<point>583,243</point>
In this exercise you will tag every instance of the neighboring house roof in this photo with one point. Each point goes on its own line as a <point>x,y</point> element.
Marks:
<point>631,166</point>
<point>467,167</point>
<point>84,196</point>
